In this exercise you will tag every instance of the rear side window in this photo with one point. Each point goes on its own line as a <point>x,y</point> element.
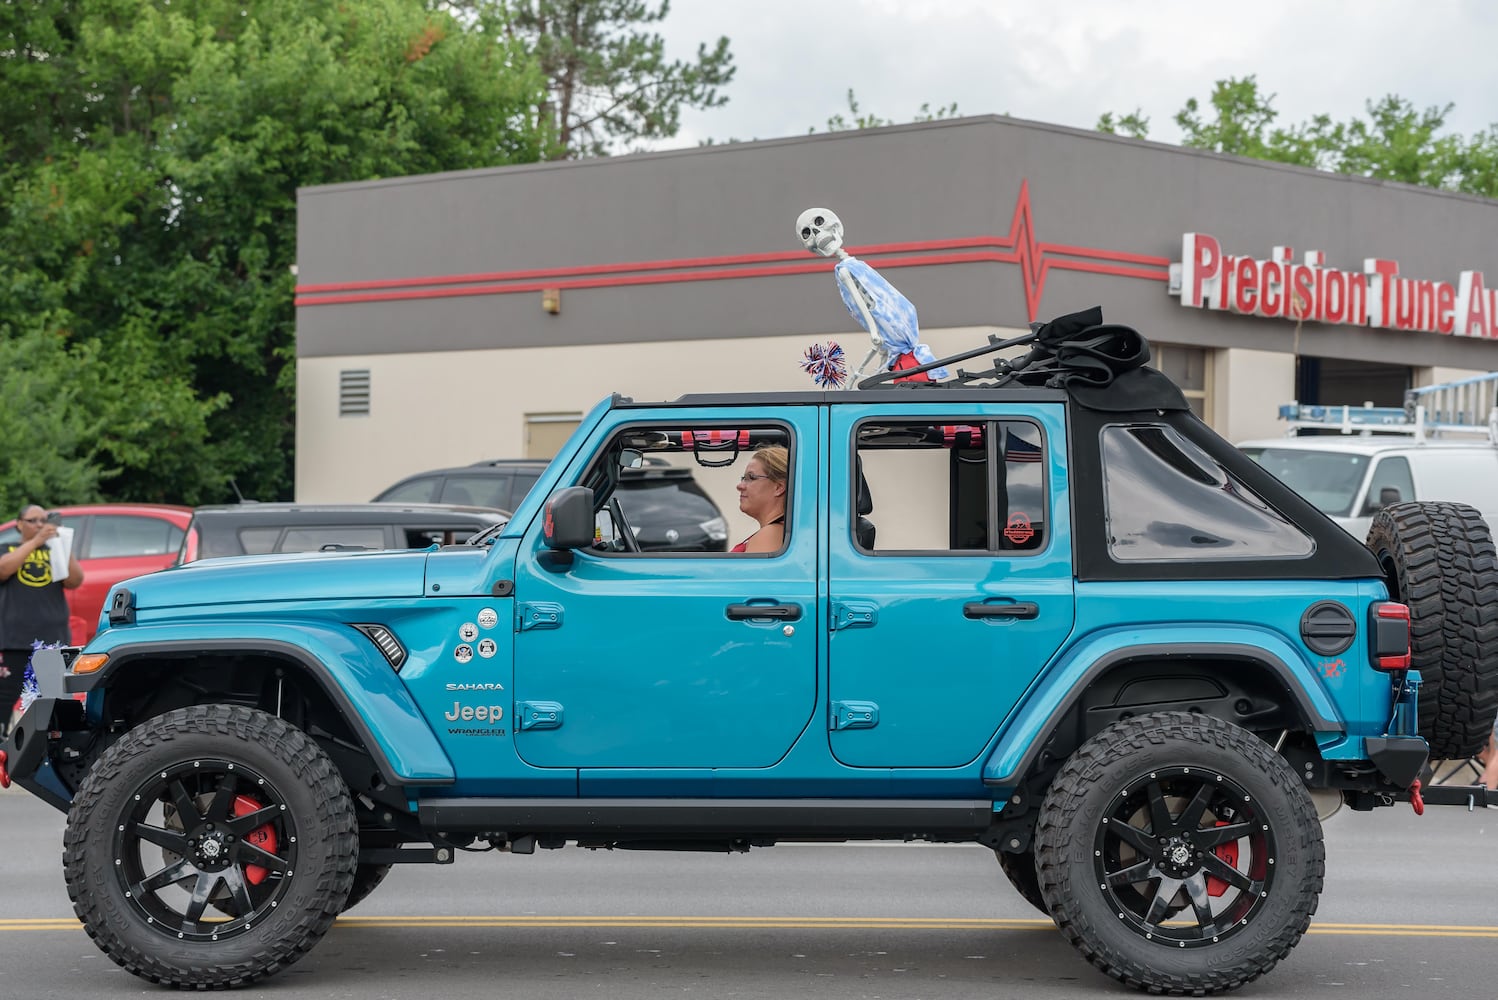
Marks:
<point>1165,499</point>
<point>477,491</point>
<point>413,491</point>
<point>520,485</point>
<point>955,485</point>
<point>116,536</point>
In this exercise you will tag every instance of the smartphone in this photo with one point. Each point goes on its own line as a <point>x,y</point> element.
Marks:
<point>54,517</point>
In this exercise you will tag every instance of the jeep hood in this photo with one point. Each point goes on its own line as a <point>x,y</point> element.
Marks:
<point>311,576</point>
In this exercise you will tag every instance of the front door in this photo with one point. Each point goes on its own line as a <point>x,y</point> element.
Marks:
<point>665,659</point>
<point>953,588</point>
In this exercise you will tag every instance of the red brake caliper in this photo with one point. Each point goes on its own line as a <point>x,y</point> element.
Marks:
<point>262,837</point>
<point>1228,853</point>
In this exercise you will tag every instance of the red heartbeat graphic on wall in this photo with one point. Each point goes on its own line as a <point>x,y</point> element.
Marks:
<point>1035,259</point>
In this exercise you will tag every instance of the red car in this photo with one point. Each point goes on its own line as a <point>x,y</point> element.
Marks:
<point>113,542</point>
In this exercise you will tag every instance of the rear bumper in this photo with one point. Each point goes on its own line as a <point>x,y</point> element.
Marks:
<point>1398,758</point>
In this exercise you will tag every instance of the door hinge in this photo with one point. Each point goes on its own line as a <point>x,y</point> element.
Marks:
<point>852,614</point>
<point>539,714</point>
<point>541,614</point>
<point>854,715</point>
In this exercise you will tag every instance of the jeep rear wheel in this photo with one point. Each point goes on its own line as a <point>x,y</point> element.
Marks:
<point>1439,559</point>
<point>210,847</point>
<point>1180,854</point>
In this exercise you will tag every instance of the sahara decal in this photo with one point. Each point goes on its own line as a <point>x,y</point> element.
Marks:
<point>476,686</point>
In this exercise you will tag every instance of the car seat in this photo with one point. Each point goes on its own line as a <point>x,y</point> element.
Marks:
<point>863,528</point>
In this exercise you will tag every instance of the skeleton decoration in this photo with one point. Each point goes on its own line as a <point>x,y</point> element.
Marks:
<point>890,318</point>
<point>821,232</point>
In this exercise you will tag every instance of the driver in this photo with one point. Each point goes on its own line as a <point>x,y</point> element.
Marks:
<point>762,495</point>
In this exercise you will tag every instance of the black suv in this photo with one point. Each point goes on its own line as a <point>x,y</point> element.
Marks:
<point>248,529</point>
<point>666,508</point>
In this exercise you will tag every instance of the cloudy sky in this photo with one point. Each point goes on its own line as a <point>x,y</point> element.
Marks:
<point>1068,61</point>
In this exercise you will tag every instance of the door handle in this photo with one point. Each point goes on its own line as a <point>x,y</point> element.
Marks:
<point>1024,610</point>
<point>746,612</point>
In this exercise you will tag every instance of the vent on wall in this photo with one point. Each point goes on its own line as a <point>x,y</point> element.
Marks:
<point>353,392</point>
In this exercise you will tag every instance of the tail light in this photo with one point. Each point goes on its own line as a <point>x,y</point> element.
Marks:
<point>1390,648</point>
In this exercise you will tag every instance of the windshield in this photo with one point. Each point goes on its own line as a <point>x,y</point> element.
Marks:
<point>1328,479</point>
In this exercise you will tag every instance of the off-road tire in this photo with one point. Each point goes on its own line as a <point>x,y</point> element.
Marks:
<point>1439,559</point>
<point>1020,869</point>
<point>1131,829</point>
<point>128,873</point>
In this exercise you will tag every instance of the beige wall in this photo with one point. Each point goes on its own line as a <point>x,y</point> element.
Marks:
<point>456,407</point>
<point>1248,388</point>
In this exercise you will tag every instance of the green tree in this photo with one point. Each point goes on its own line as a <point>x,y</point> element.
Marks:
<point>1134,124</point>
<point>841,123</point>
<point>1395,141</point>
<point>608,82</point>
<point>147,205</point>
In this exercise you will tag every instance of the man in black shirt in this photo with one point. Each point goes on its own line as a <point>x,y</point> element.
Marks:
<point>32,605</point>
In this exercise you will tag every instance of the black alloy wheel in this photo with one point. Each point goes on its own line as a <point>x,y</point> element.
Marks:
<point>1180,854</point>
<point>210,847</point>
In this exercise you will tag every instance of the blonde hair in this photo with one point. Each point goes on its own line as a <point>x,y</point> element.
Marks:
<point>776,460</point>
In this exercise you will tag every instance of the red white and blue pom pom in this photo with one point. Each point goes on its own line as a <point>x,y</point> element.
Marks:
<point>826,365</point>
<point>30,691</point>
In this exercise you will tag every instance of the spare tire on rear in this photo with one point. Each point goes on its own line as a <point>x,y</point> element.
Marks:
<point>1439,559</point>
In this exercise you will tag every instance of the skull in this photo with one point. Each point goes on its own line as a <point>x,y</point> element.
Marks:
<point>821,232</point>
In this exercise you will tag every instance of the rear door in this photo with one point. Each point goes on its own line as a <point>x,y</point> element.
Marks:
<point>944,613</point>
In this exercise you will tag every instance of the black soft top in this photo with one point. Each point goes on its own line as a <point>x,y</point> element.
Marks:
<point>1101,367</point>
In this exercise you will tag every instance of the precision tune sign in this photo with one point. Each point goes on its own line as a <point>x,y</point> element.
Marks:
<point>1377,296</point>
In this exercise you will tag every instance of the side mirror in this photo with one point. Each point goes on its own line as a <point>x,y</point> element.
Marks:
<point>1386,496</point>
<point>569,518</point>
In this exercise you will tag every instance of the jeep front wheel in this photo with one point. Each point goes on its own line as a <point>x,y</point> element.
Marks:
<point>1179,854</point>
<point>210,847</point>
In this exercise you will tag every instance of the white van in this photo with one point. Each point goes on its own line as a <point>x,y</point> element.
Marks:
<point>1351,476</point>
<point>1442,444</point>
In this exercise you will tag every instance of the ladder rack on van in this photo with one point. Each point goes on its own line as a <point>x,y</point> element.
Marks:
<point>1465,406</point>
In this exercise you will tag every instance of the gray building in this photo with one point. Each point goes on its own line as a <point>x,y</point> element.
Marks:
<point>450,318</point>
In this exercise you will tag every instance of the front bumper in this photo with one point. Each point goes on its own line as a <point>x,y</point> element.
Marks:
<point>27,761</point>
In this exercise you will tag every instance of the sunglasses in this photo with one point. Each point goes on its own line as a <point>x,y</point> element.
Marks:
<point>34,520</point>
<point>750,477</point>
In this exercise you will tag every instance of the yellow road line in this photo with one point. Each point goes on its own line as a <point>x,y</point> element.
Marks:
<point>782,923</point>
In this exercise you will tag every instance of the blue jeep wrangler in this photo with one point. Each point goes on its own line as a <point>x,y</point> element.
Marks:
<point>1038,606</point>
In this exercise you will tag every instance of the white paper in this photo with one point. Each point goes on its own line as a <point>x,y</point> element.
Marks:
<point>61,547</point>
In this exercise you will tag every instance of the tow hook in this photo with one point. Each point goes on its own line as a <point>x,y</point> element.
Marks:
<point>1416,802</point>
<point>4,774</point>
